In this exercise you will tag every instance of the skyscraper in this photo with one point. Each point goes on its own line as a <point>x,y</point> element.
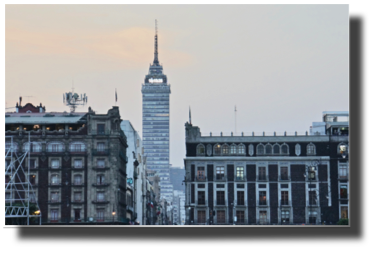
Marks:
<point>156,122</point>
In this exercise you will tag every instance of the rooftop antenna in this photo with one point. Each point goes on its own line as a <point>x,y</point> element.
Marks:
<point>73,100</point>
<point>190,122</point>
<point>235,119</point>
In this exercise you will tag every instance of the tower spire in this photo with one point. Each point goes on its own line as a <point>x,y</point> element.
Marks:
<point>156,61</point>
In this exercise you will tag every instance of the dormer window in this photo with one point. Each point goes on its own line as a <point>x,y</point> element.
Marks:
<point>200,150</point>
<point>311,149</point>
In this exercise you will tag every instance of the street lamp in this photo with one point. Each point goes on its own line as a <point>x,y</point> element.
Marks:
<point>113,213</point>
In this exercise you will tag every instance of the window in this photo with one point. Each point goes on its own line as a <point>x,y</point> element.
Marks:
<point>55,164</point>
<point>100,197</point>
<point>54,197</point>
<point>100,163</point>
<point>201,197</point>
<point>77,196</point>
<point>343,191</point>
<point>268,149</point>
<point>200,185</point>
<point>311,149</point>
<point>344,212</point>
<point>220,217</point>
<point>297,149</point>
<point>55,147</point>
<point>284,149</point>
<point>260,149</point>
<point>101,129</point>
<point>342,172</point>
<point>217,149</point>
<point>284,173</point>
<point>220,197</point>
<point>225,149</point>
<point>312,173</point>
<point>342,149</point>
<point>32,197</point>
<point>241,149</point>
<point>276,149</point>
<point>240,217</point>
<point>261,173</point>
<point>201,217</point>
<point>32,179</point>
<point>100,214</point>
<point>100,179</point>
<point>77,214</point>
<point>77,180</point>
<point>54,179</point>
<point>240,198</point>
<point>11,147</point>
<point>285,215</point>
<point>240,173</point>
<point>220,186</point>
<point>53,215</point>
<point>78,164</point>
<point>100,147</point>
<point>220,172</point>
<point>312,198</point>
<point>77,147</point>
<point>200,173</point>
<point>233,149</point>
<point>284,198</point>
<point>33,163</point>
<point>240,185</point>
<point>262,217</point>
<point>35,147</point>
<point>262,198</point>
<point>200,150</point>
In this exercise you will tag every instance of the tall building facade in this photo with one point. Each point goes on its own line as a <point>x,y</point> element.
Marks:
<point>156,123</point>
<point>269,179</point>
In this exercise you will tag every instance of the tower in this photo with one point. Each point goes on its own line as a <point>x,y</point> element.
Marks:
<point>156,122</point>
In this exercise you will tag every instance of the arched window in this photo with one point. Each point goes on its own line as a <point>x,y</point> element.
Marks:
<point>200,150</point>
<point>276,149</point>
<point>268,149</point>
<point>260,149</point>
<point>241,149</point>
<point>343,149</point>
<point>311,149</point>
<point>233,149</point>
<point>297,149</point>
<point>225,149</point>
<point>217,149</point>
<point>35,147</point>
<point>284,149</point>
<point>77,147</point>
<point>251,150</point>
<point>55,146</point>
<point>12,147</point>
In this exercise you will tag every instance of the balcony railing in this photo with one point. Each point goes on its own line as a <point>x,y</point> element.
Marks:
<point>220,178</point>
<point>241,203</point>
<point>312,203</point>
<point>343,177</point>
<point>201,202</point>
<point>201,178</point>
<point>262,178</point>
<point>100,132</point>
<point>100,152</point>
<point>100,184</point>
<point>100,201</point>
<point>285,178</point>
<point>220,202</point>
<point>78,184</point>
<point>284,202</point>
<point>55,184</point>
<point>262,203</point>
<point>61,150</point>
<point>240,178</point>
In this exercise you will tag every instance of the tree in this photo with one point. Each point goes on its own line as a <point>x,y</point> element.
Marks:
<point>343,222</point>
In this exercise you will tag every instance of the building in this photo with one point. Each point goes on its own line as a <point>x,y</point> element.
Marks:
<point>77,163</point>
<point>176,178</point>
<point>136,169</point>
<point>268,179</point>
<point>156,123</point>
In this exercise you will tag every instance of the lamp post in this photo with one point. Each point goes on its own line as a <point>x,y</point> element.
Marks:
<point>113,214</point>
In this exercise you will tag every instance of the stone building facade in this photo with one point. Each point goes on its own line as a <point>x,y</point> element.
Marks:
<point>77,163</point>
<point>267,180</point>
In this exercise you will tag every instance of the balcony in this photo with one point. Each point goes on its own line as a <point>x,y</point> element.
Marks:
<point>81,201</point>
<point>284,178</point>
<point>220,202</point>
<point>56,167</point>
<point>285,202</point>
<point>312,203</point>
<point>201,178</point>
<point>262,203</point>
<point>201,202</point>
<point>100,184</point>
<point>100,132</point>
<point>241,203</point>
<point>240,178</point>
<point>55,151</point>
<point>54,202</point>
<point>220,178</point>
<point>55,184</point>
<point>345,177</point>
<point>100,202</point>
<point>78,184</point>
<point>262,178</point>
<point>100,167</point>
<point>99,152</point>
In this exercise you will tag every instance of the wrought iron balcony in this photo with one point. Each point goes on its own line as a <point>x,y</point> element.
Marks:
<point>201,178</point>
<point>262,178</point>
<point>312,203</point>
<point>241,203</point>
<point>240,178</point>
<point>285,202</point>
<point>262,203</point>
<point>100,201</point>
<point>97,152</point>
<point>284,178</point>
<point>220,178</point>
<point>201,202</point>
<point>220,202</point>
<point>100,184</point>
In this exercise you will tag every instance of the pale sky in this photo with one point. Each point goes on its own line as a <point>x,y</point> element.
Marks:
<point>281,65</point>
